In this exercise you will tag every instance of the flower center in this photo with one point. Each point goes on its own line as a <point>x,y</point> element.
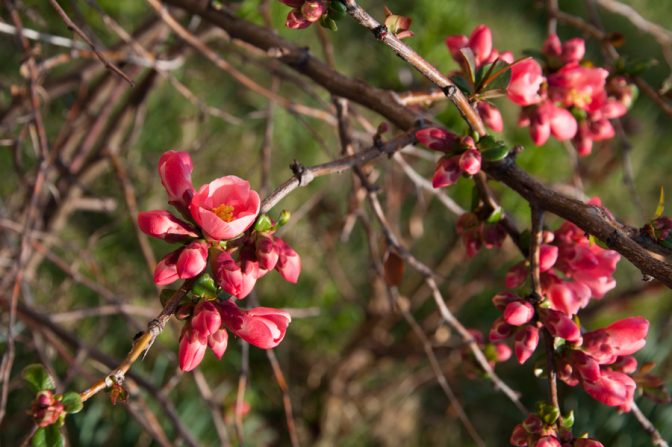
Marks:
<point>224,212</point>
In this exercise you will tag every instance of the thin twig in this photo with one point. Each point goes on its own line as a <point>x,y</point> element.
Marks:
<point>73,27</point>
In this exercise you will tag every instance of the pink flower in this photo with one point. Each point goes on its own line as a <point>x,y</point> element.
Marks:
<point>490,115</point>
<point>46,410</point>
<point>526,342</point>
<point>263,327</point>
<point>266,252</point>
<point>470,161</point>
<point>206,320</point>
<point>573,50</point>
<point>163,225</point>
<point>175,172</point>
<point>586,366</point>
<point>166,270</point>
<point>447,172</point>
<point>192,260</point>
<point>437,139</point>
<point>296,20</point>
<point>192,348</point>
<point>218,342</point>
<point>526,80</point>
<point>613,389</point>
<point>289,261</point>
<point>559,325</point>
<point>579,86</point>
<point>480,43</point>
<point>502,352</point>
<point>519,436</point>
<point>225,207</point>
<point>548,254</point>
<point>500,330</point>
<point>518,313</point>
<point>503,298</point>
<point>568,297</point>
<point>624,337</point>
<point>313,10</point>
<point>230,276</point>
<point>547,120</point>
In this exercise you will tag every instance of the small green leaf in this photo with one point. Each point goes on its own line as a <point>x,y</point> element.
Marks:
<point>594,240</point>
<point>558,343</point>
<point>660,209</point>
<point>72,402</point>
<point>470,65</point>
<point>337,10</point>
<point>38,377</point>
<point>205,286</point>
<point>47,437</point>
<point>263,224</point>
<point>495,216</point>
<point>284,217</point>
<point>462,83</point>
<point>494,76</point>
<point>496,154</point>
<point>327,22</point>
<point>568,421</point>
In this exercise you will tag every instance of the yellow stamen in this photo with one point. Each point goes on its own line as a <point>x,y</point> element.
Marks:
<point>224,212</point>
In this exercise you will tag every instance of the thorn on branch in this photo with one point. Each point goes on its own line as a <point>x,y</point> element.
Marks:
<point>449,90</point>
<point>380,32</point>
<point>303,175</point>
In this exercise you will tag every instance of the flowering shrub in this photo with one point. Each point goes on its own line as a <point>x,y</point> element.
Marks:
<point>217,231</point>
<point>224,243</point>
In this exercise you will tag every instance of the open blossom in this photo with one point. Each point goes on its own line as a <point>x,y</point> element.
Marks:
<point>225,207</point>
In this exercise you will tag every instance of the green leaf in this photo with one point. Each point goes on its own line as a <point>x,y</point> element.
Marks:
<point>205,286</point>
<point>47,437</point>
<point>336,10</point>
<point>491,149</point>
<point>38,377</point>
<point>496,154</point>
<point>263,224</point>
<point>72,402</point>
<point>470,65</point>
<point>284,217</point>
<point>660,209</point>
<point>567,421</point>
<point>494,76</point>
<point>495,216</point>
<point>462,84</point>
<point>594,240</point>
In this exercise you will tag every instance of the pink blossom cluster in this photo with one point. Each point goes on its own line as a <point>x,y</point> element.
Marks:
<point>480,44</point>
<point>261,326</point>
<point>461,155</point>
<point>214,219</point>
<point>305,12</point>
<point>214,230</point>
<point>572,272</point>
<point>568,98</point>
<point>534,432</point>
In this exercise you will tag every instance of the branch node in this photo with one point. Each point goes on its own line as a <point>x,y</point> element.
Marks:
<point>380,32</point>
<point>449,90</point>
<point>303,175</point>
